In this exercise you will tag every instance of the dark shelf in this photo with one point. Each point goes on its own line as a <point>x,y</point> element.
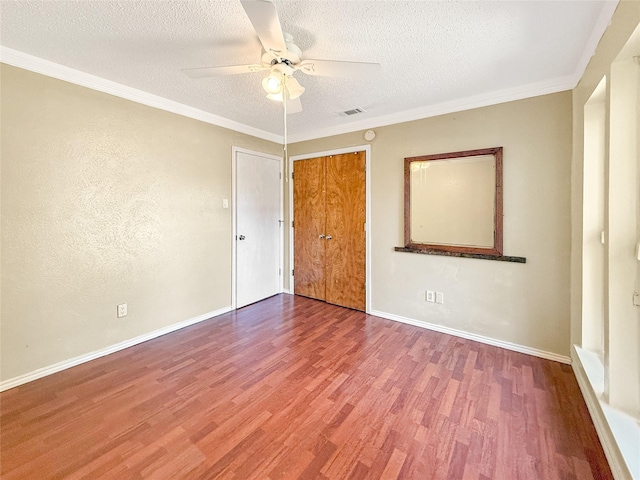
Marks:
<point>499,258</point>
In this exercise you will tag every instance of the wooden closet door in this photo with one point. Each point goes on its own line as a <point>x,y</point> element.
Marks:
<point>308,225</point>
<point>345,219</point>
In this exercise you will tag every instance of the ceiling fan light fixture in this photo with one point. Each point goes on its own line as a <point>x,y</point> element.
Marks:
<point>272,84</point>
<point>275,96</point>
<point>294,88</point>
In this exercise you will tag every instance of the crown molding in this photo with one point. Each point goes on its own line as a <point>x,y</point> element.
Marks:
<point>561,84</point>
<point>45,67</point>
<point>54,70</point>
<point>51,69</point>
<point>468,103</point>
<point>603,21</point>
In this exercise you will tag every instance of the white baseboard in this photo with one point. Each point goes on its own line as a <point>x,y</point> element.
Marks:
<point>72,362</point>
<point>619,433</point>
<point>287,291</point>
<point>478,338</point>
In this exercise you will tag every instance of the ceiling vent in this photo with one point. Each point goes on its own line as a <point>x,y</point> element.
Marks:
<point>353,111</point>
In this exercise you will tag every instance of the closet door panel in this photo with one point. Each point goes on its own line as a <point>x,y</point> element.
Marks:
<point>345,219</point>
<point>309,224</point>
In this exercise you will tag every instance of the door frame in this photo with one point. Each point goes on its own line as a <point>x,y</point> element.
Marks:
<point>234,213</point>
<point>338,151</point>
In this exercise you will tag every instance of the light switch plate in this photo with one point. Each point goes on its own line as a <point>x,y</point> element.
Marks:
<point>439,297</point>
<point>431,296</point>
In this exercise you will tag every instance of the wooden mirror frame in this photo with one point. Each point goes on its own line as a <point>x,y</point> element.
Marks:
<point>496,250</point>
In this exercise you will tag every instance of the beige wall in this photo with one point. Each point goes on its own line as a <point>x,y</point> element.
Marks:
<point>105,201</point>
<point>526,304</point>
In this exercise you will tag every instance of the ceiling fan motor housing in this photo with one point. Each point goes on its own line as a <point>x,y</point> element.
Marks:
<point>284,67</point>
<point>293,54</point>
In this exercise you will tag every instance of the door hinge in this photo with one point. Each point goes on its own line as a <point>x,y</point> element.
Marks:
<point>291,175</point>
<point>292,221</point>
<point>279,271</point>
<point>292,274</point>
<point>280,176</point>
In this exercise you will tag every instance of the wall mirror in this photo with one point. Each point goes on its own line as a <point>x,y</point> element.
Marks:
<point>453,202</point>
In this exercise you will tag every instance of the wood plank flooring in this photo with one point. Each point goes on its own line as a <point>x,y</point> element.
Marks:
<point>294,388</point>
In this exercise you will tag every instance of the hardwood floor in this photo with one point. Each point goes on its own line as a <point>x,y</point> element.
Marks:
<point>295,388</point>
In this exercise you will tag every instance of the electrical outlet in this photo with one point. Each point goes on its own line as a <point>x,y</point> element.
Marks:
<point>122,310</point>
<point>431,296</point>
<point>439,297</point>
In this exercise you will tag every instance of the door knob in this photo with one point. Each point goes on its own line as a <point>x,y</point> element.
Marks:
<point>329,237</point>
<point>321,236</point>
<point>241,237</point>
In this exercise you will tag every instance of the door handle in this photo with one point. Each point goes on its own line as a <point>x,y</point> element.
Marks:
<point>241,237</point>
<point>329,237</point>
<point>321,236</point>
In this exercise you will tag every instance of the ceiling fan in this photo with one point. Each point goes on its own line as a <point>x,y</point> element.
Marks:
<point>283,58</point>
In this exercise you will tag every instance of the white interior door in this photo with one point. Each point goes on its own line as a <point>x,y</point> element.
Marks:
<point>258,227</point>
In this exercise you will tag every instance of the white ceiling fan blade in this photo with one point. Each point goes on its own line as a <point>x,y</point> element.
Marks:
<point>218,71</point>
<point>265,21</point>
<point>293,105</point>
<point>332,68</point>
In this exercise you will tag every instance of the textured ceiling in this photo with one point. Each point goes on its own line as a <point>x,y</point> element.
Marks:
<point>433,53</point>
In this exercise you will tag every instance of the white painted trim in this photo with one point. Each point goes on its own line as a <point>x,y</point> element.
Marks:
<point>367,150</point>
<point>54,70</point>
<point>234,233</point>
<point>477,338</point>
<point>606,419</point>
<point>234,212</point>
<point>338,151</point>
<point>290,190</point>
<point>282,272</point>
<point>72,362</point>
